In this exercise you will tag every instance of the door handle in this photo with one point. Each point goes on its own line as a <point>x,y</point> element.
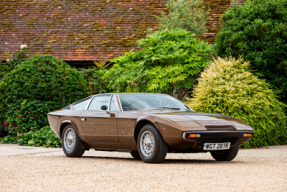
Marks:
<point>83,119</point>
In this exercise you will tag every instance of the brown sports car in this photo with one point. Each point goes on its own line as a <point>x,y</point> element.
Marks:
<point>147,125</point>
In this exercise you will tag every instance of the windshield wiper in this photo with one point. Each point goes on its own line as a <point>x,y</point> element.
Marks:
<point>166,107</point>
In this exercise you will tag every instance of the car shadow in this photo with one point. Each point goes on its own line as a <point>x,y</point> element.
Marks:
<point>171,161</point>
<point>199,161</point>
<point>105,157</point>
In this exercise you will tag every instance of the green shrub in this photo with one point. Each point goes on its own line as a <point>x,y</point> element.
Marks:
<point>185,14</point>
<point>169,62</point>
<point>227,87</point>
<point>24,116</point>
<point>9,65</point>
<point>45,78</point>
<point>44,137</point>
<point>42,78</point>
<point>12,61</point>
<point>257,31</point>
<point>9,139</point>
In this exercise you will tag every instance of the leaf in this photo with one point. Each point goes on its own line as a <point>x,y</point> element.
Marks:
<point>31,142</point>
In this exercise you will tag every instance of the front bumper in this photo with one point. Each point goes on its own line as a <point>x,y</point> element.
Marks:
<point>196,144</point>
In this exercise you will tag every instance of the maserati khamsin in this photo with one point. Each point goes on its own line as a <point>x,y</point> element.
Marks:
<point>148,126</point>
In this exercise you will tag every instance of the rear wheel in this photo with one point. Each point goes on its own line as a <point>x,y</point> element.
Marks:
<point>151,146</point>
<point>71,142</point>
<point>225,155</point>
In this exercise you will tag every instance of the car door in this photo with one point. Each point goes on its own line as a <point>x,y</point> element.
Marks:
<point>100,126</point>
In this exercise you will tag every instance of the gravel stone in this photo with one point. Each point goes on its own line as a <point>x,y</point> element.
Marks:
<point>263,169</point>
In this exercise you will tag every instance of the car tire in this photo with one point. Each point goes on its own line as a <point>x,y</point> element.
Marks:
<point>225,155</point>
<point>151,146</point>
<point>71,142</point>
<point>135,154</point>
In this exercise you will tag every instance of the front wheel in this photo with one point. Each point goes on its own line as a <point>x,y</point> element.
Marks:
<point>151,146</point>
<point>71,142</point>
<point>225,155</point>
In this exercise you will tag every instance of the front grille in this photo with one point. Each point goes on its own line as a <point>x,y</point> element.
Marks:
<point>232,140</point>
<point>220,127</point>
<point>184,146</point>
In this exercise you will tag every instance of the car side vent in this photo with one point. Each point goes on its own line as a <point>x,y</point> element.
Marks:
<point>220,127</point>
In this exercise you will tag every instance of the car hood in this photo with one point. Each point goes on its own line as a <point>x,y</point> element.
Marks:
<point>203,119</point>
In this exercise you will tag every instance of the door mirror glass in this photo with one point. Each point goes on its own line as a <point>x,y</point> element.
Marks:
<point>104,107</point>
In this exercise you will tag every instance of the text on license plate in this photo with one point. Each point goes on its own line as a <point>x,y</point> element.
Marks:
<point>216,146</point>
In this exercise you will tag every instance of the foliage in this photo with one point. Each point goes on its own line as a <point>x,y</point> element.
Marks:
<point>93,77</point>
<point>43,78</point>
<point>9,65</point>
<point>44,137</point>
<point>169,62</point>
<point>9,139</point>
<point>185,14</point>
<point>257,31</point>
<point>102,64</point>
<point>227,87</point>
<point>23,115</point>
<point>12,61</point>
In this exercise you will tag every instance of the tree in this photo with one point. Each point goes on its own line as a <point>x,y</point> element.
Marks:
<point>185,14</point>
<point>257,31</point>
<point>169,62</point>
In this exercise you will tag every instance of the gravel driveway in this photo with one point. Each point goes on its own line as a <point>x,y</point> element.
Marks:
<point>39,169</point>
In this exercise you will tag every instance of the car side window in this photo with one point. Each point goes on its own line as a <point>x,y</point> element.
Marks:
<point>99,101</point>
<point>81,105</point>
<point>113,105</point>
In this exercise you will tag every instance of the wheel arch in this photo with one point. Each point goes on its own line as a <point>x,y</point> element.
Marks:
<point>140,124</point>
<point>64,124</point>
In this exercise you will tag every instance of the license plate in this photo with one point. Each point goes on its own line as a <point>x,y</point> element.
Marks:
<point>216,146</point>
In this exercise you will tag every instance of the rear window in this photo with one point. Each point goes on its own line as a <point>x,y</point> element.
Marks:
<point>82,105</point>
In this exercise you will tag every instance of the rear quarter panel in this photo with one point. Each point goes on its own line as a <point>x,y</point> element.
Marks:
<point>57,118</point>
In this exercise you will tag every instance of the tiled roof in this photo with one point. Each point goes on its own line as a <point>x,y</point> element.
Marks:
<point>82,29</point>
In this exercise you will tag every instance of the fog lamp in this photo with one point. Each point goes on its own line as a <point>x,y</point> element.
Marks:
<point>193,135</point>
<point>247,135</point>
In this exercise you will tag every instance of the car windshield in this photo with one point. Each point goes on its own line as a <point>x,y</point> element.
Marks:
<point>142,101</point>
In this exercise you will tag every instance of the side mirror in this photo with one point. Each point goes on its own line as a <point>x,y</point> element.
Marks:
<point>104,107</point>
